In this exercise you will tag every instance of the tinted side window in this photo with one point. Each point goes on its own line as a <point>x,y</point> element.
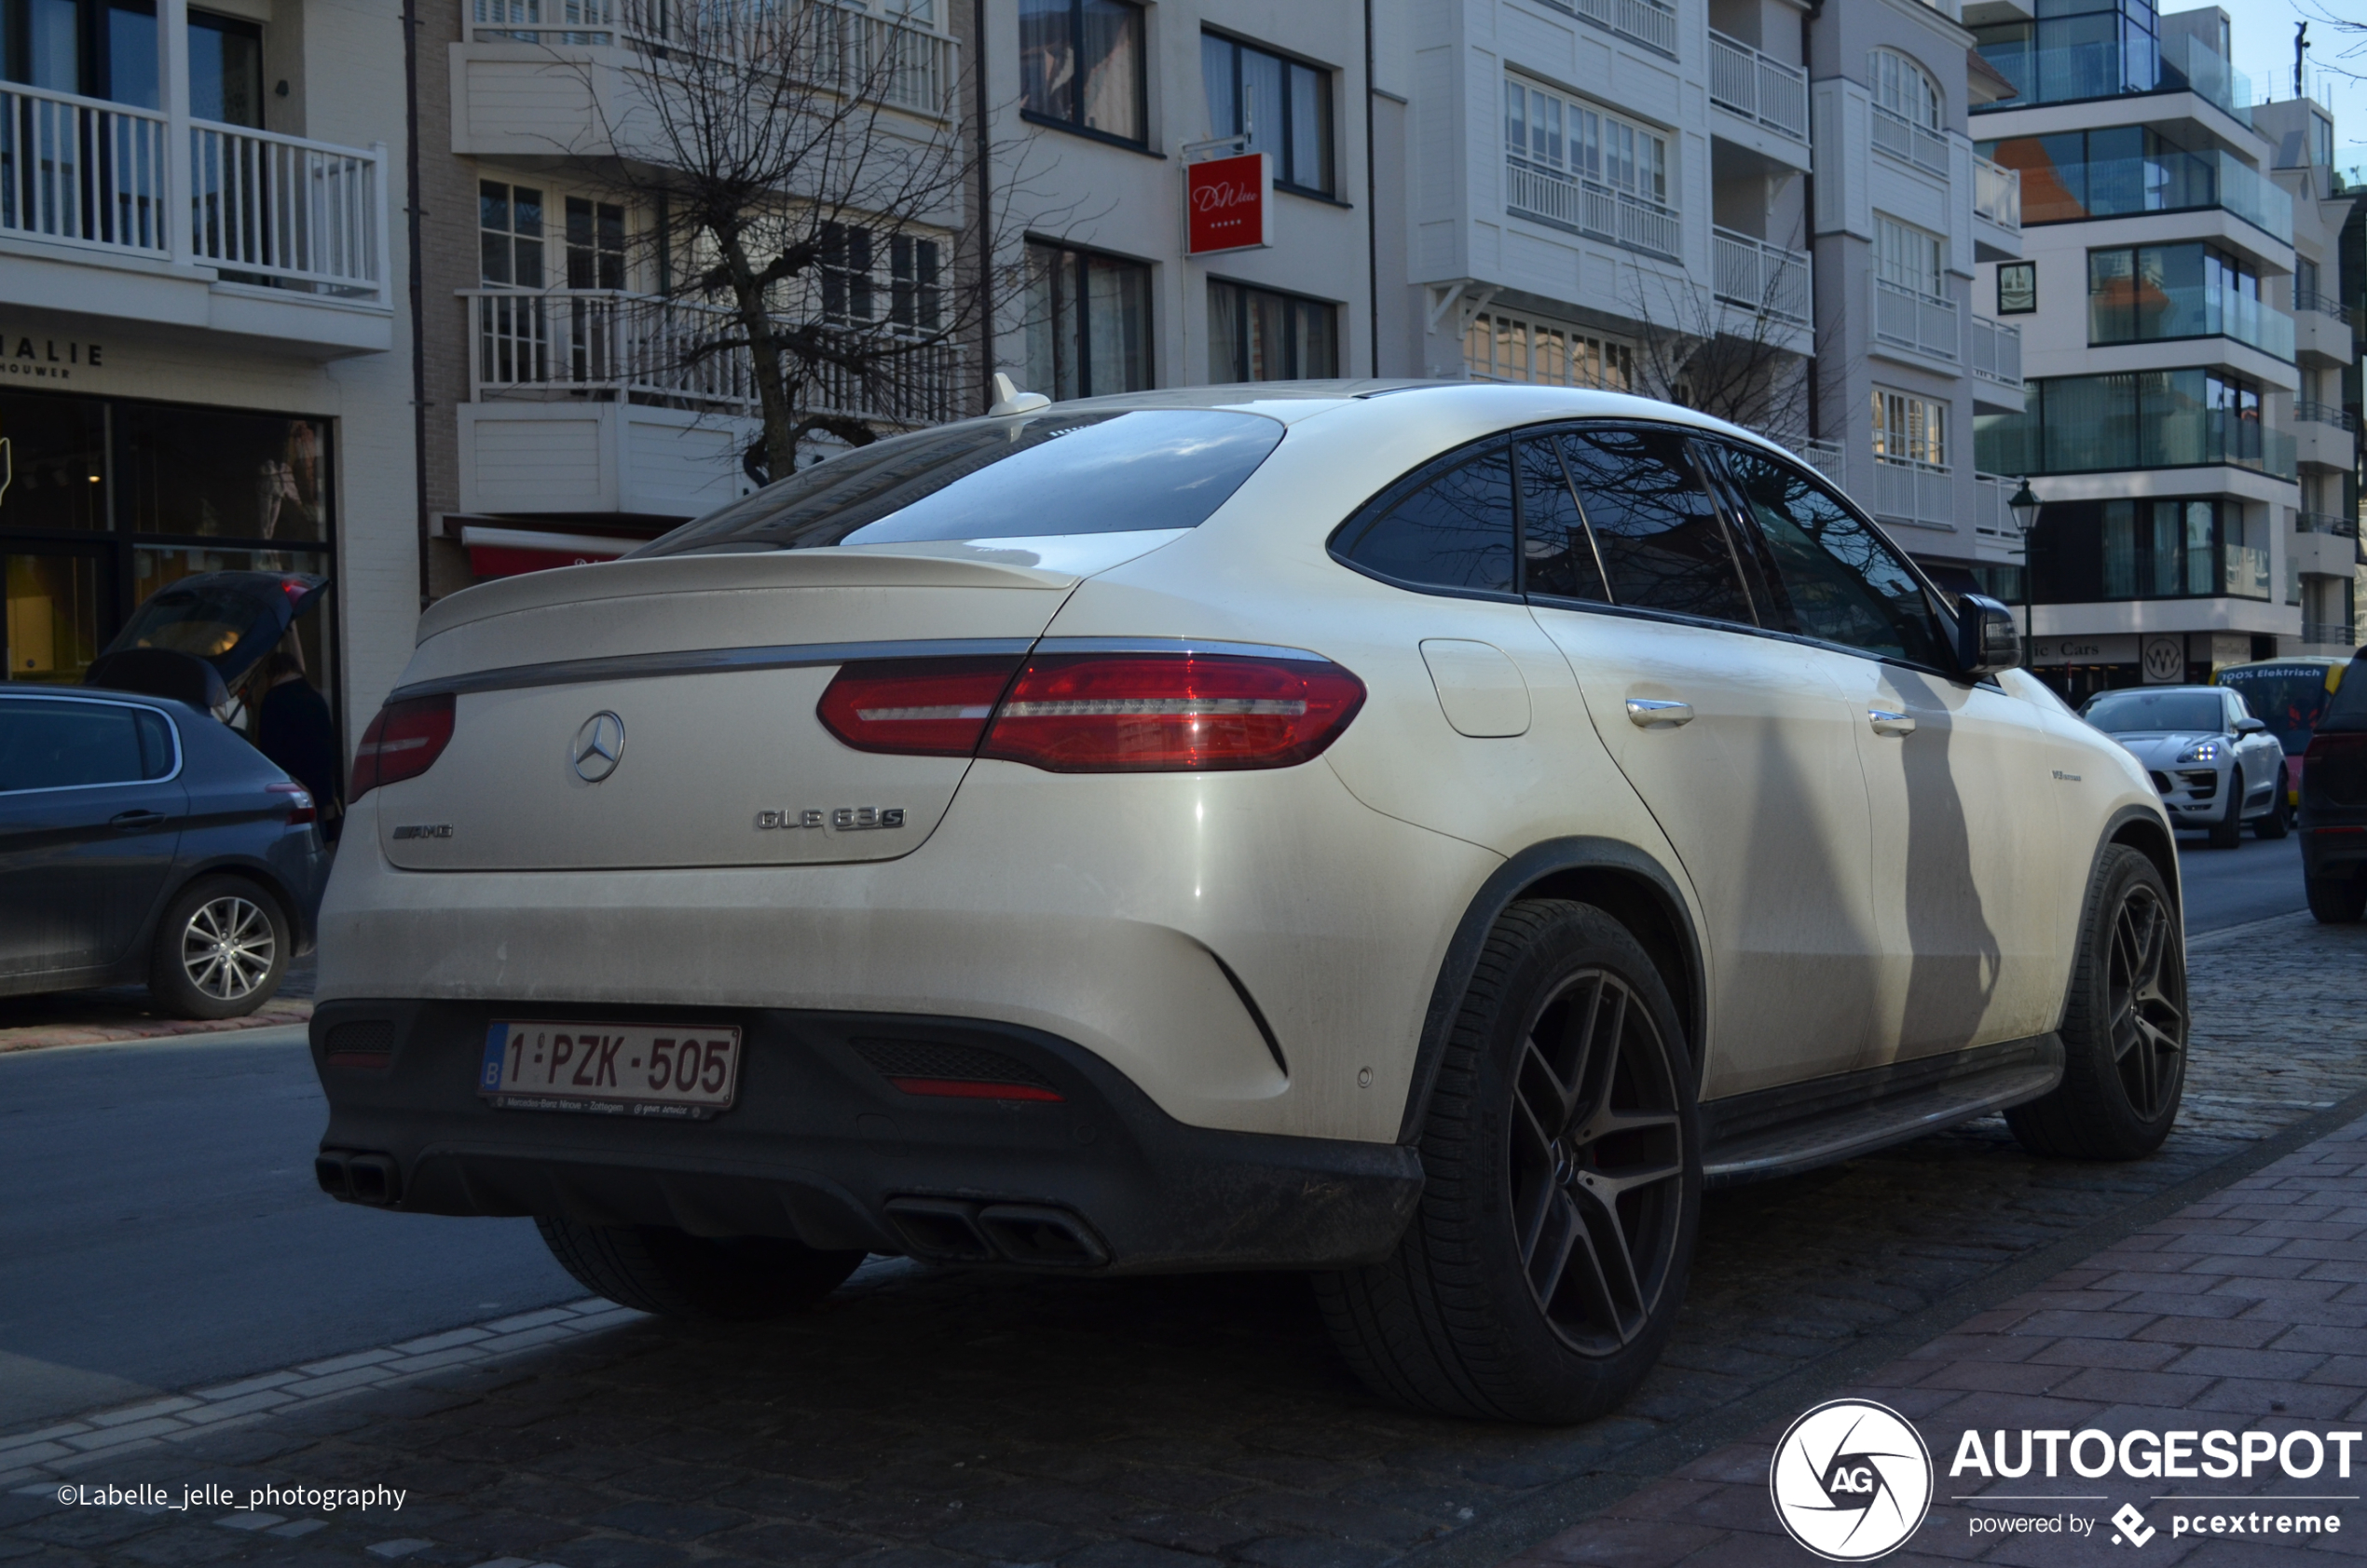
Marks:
<point>1835,578</point>
<point>57,745</point>
<point>1557,556</point>
<point>1454,530</point>
<point>1663,543</point>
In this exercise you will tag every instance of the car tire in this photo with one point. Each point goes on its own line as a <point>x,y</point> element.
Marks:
<point>2337,900</point>
<point>1544,1266</point>
<point>2279,820</point>
<point>674,1274</point>
<point>2125,1026</point>
<point>2227,833</point>
<point>219,952</point>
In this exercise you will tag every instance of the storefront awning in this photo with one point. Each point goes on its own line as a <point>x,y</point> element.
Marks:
<point>514,552</point>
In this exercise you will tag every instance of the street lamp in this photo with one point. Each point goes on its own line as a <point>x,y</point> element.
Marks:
<point>2024,506</point>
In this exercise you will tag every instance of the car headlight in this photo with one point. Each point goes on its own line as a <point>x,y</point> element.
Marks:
<point>2201,751</point>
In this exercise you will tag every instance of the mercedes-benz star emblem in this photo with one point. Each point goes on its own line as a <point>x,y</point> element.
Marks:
<point>597,747</point>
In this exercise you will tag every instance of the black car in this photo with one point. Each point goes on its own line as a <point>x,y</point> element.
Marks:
<point>2334,802</point>
<point>141,839</point>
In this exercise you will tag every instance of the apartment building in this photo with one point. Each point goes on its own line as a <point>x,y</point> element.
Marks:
<point>588,381</point>
<point>1599,193</point>
<point>202,360</point>
<point>2322,559</point>
<point>2159,255</point>
<point>1908,354</point>
<point>1095,117</point>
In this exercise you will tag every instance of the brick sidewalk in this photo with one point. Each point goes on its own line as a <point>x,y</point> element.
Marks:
<point>2246,1311</point>
<point>94,1018</point>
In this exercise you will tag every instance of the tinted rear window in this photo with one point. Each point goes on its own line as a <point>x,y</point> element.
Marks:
<point>2123,712</point>
<point>60,745</point>
<point>1025,476</point>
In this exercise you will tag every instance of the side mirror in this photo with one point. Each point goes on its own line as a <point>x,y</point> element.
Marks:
<point>2249,726</point>
<point>1987,639</point>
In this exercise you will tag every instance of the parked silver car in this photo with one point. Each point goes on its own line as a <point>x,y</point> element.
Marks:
<point>2216,765</point>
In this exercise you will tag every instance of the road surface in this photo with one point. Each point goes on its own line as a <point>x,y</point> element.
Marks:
<point>2233,887</point>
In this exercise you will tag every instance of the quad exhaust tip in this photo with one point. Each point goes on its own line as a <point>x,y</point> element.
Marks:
<point>1033,1235</point>
<point>349,1177</point>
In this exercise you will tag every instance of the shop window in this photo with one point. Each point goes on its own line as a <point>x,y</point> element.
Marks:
<point>216,474</point>
<point>1089,323</point>
<point>595,244</point>
<point>1081,66</point>
<point>509,236</point>
<point>1280,106</point>
<point>53,616</point>
<point>53,461</point>
<point>1256,334</point>
<point>2016,288</point>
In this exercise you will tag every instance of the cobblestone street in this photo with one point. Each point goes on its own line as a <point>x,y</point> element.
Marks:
<point>928,1419</point>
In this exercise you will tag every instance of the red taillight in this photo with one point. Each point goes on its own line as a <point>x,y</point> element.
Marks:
<point>300,806</point>
<point>919,707</point>
<point>402,743</point>
<point>1170,712</point>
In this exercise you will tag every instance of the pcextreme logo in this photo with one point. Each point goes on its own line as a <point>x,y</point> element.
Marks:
<point>1852,1480</point>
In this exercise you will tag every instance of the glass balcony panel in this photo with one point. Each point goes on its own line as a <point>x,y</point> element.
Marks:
<point>2092,424</point>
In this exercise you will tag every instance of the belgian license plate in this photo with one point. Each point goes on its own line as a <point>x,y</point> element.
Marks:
<point>617,1070</point>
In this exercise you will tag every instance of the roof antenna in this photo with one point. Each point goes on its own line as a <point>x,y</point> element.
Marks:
<point>1008,399</point>
<point>2300,48</point>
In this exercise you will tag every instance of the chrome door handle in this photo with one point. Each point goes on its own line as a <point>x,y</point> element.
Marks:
<point>1887,723</point>
<point>1650,713</point>
<point>124,821</point>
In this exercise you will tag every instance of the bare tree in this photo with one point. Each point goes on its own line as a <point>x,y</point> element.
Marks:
<point>1735,352</point>
<point>808,196</point>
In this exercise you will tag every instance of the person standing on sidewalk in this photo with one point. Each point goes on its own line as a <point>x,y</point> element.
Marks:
<point>292,728</point>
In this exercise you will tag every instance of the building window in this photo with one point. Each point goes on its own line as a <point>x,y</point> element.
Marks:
<point>1575,166</point>
<point>2090,551</point>
<point>1256,334</point>
<point>2140,419</point>
<point>1081,66</point>
<point>2147,293</point>
<point>226,68</point>
<point>846,273</point>
<point>1910,429</point>
<point>2016,288</point>
<point>1500,347</point>
<point>916,298</point>
<point>1905,88</point>
<point>1909,257</point>
<point>1089,323</point>
<point>2116,170</point>
<point>509,236</point>
<point>595,244</point>
<point>1279,105</point>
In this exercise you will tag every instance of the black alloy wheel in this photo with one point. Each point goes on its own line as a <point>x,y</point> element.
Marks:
<point>2125,1024</point>
<point>2279,820</point>
<point>1597,1158</point>
<point>1546,1261</point>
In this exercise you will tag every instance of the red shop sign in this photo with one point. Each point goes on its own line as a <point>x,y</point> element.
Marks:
<point>1226,203</point>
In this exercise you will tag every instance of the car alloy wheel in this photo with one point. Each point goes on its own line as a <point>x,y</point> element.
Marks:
<point>2148,1011</point>
<point>228,947</point>
<point>1597,1164</point>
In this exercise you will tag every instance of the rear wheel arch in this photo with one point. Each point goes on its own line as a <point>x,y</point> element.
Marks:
<point>1624,882</point>
<point>299,930</point>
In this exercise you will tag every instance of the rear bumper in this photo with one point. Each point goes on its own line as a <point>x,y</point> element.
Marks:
<point>821,1148</point>
<point>2335,849</point>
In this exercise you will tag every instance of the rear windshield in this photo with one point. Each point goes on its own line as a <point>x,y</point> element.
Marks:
<point>2348,710</point>
<point>2119,713</point>
<point>2290,699</point>
<point>1025,476</point>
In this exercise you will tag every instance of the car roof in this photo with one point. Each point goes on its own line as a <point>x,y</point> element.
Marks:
<point>101,694</point>
<point>1505,402</point>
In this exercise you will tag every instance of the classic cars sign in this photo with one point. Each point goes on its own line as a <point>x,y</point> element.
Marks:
<point>1226,203</point>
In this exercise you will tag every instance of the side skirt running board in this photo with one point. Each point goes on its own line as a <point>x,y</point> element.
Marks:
<point>1798,1127</point>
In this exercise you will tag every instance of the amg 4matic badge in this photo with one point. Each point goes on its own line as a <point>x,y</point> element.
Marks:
<point>423,830</point>
<point>845,819</point>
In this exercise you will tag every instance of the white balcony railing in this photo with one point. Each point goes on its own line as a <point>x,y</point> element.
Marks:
<point>262,208</point>
<point>82,171</point>
<point>1997,351</point>
<point>1647,22</point>
<point>1902,138</point>
<point>677,352</point>
<point>1992,516</point>
<point>1765,280</point>
<point>1828,458</point>
<point>1997,193</point>
<point>1909,319</point>
<point>1914,491</point>
<point>1587,207</point>
<point>845,46</point>
<point>1766,92</point>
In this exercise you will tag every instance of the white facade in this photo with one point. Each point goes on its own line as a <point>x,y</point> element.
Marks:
<point>213,244</point>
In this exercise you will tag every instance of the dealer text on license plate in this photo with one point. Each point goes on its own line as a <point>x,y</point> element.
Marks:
<point>621,1069</point>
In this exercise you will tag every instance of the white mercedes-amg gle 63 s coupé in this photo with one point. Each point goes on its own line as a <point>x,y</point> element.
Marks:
<point>1418,835</point>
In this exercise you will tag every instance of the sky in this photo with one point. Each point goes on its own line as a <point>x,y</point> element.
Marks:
<point>2262,41</point>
